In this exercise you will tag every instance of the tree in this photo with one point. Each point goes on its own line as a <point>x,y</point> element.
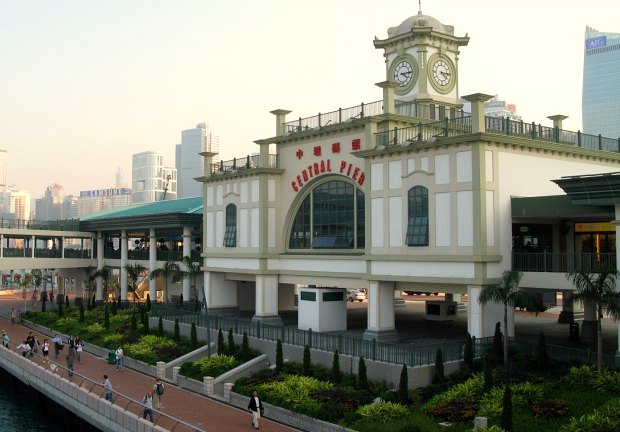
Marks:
<point>439,377</point>
<point>468,352</point>
<point>543,356</point>
<point>221,346</point>
<point>136,274</point>
<point>160,327</point>
<point>231,343</point>
<point>193,336</point>
<point>362,378</point>
<point>307,363</point>
<point>177,330</point>
<point>37,278</point>
<point>190,269</point>
<point>90,273</point>
<point>148,302</point>
<point>506,422</point>
<point>170,268</point>
<point>106,317</point>
<point>245,347</point>
<point>598,289</point>
<point>336,375</point>
<point>403,386</point>
<point>279,357</point>
<point>508,294</point>
<point>498,349</point>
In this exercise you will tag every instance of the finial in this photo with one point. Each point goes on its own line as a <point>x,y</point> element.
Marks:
<point>419,7</point>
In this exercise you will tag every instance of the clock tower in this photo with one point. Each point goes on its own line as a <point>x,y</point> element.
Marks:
<point>421,56</point>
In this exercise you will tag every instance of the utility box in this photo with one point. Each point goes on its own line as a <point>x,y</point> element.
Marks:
<point>574,332</point>
<point>480,422</point>
<point>111,357</point>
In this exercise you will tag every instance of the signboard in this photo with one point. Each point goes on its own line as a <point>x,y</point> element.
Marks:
<point>594,227</point>
<point>105,192</point>
<point>596,42</point>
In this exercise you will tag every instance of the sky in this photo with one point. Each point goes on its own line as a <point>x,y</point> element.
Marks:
<point>85,84</point>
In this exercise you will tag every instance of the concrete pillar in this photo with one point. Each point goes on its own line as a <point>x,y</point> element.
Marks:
<point>557,120</point>
<point>187,252</point>
<point>152,263</point>
<point>477,111</point>
<point>388,95</point>
<point>267,300</point>
<point>227,389</point>
<point>175,374</point>
<point>567,314</point>
<point>161,369</point>
<point>221,294</point>
<point>280,120</point>
<point>123,264</point>
<point>381,325</point>
<point>481,319</point>
<point>33,240</point>
<point>207,384</point>
<point>589,326</point>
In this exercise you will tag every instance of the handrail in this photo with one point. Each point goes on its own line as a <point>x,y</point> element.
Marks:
<point>562,262</point>
<point>50,225</point>
<point>63,372</point>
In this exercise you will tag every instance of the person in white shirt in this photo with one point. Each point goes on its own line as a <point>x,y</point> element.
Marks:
<point>256,408</point>
<point>119,359</point>
<point>25,349</point>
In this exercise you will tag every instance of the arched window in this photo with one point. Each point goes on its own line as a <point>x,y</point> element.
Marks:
<point>417,210</point>
<point>330,217</point>
<point>230,234</point>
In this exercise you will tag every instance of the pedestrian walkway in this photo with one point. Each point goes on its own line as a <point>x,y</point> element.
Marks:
<point>200,411</point>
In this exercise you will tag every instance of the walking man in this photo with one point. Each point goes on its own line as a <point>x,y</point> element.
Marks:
<point>119,358</point>
<point>57,345</point>
<point>70,357</point>
<point>158,391</point>
<point>256,408</point>
<point>107,387</point>
<point>5,339</point>
<point>148,406</point>
<point>13,316</point>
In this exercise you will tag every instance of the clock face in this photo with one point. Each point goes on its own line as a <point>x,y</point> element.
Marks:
<point>403,73</point>
<point>442,73</point>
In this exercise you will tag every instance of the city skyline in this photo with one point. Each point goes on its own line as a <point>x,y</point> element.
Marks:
<point>87,84</point>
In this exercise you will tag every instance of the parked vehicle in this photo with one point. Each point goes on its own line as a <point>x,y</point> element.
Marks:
<point>355,294</point>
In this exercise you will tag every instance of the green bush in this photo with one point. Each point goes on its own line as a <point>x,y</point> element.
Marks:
<point>459,403</point>
<point>112,341</point>
<point>292,391</point>
<point>213,366</point>
<point>383,412</point>
<point>550,408</point>
<point>604,419</point>
<point>523,395</point>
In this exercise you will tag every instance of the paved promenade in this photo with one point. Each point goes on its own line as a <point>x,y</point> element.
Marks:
<point>204,413</point>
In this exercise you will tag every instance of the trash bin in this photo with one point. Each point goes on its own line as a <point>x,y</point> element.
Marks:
<point>574,332</point>
<point>111,357</point>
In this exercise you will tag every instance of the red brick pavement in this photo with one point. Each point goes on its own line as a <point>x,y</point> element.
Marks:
<point>197,410</point>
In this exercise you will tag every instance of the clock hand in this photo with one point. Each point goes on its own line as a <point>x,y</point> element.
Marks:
<point>446,74</point>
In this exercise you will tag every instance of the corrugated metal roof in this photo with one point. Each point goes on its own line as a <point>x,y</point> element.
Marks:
<point>191,205</point>
<point>555,206</point>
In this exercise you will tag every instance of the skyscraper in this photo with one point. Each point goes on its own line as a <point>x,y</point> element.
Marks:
<point>3,159</point>
<point>188,161</point>
<point>150,180</point>
<point>601,84</point>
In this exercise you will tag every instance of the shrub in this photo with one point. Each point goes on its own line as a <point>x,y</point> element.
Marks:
<point>279,357</point>
<point>403,386</point>
<point>221,347</point>
<point>81,313</point>
<point>112,341</point>
<point>177,330</point>
<point>383,412</point>
<point>459,403</point>
<point>439,377</point>
<point>362,379</point>
<point>193,336</point>
<point>468,352</point>
<point>307,365</point>
<point>245,348</point>
<point>146,326</point>
<point>523,394</point>
<point>134,322</point>
<point>231,348</point>
<point>213,366</point>
<point>160,327</point>
<point>606,418</point>
<point>292,391</point>
<point>506,422</point>
<point>106,317</point>
<point>498,349</point>
<point>543,357</point>
<point>550,408</point>
<point>93,331</point>
<point>336,376</point>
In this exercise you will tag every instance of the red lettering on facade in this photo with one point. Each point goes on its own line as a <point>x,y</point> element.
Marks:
<point>316,168</point>
<point>336,147</point>
<point>349,170</point>
<point>356,144</point>
<point>360,181</point>
<point>343,165</point>
<point>304,174</point>
<point>295,188</point>
<point>322,166</point>
<point>356,171</point>
<point>299,153</point>
<point>310,170</point>
<point>329,165</point>
<point>325,166</point>
<point>316,150</point>
<point>299,182</point>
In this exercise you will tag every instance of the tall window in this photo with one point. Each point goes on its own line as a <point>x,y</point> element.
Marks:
<point>330,217</point>
<point>230,235</point>
<point>417,227</point>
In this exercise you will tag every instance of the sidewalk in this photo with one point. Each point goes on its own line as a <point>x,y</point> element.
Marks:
<point>205,413</point>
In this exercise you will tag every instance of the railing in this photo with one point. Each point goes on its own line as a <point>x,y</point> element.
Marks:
<point>77,253</point>
<point>342,115</point>
<point>562,262</point>
<point>428,111</point>
<point>51,225</point>
<point>169,255</point>
<point>127,403</point>
<point>423,132</point>
<point>538,132</point>
<point>138,255</point>
<point>248,162</point>
<point>410,354</point>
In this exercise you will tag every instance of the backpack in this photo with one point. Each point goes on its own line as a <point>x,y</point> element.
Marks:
<point>160,389</point>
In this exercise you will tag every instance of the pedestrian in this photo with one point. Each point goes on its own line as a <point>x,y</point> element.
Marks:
<point>158,391</point>
<point>36,345</point>
<point>256,408</point>
<point>57,345</point>
<point>24,348</point>
<point>45,349</point>
<point>30,341</point>
<point>107,387</point>
<point>148,406</point>
<point>5,339</point>
<point>79,347</point>
<point>13,316</point>
<point>119,358</point>
<point>70,356</point>
<point>71,343</point>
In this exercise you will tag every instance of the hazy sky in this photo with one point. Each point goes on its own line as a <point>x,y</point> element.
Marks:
<point>85,84</point>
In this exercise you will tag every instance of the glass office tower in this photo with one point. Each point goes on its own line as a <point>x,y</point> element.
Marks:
<point>601,84</point>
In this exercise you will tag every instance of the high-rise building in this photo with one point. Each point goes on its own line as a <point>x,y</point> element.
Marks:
<point>50,207</point>
<point>3,159</point>
<point>601,84</point>
<point>150,180</point>
<point>15,204</point>
<point>188,161</point>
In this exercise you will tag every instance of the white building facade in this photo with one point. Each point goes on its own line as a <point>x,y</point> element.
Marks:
<point>150,179</point>
<point>188,161</point>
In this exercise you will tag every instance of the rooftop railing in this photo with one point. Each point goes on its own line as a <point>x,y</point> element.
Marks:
<point>342,115</point>
<point>235,165</point>
<point>52,225</point>
<point>426,132</point>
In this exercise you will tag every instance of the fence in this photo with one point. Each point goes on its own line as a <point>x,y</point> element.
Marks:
<point>562,262</point>
<point>410,354</point>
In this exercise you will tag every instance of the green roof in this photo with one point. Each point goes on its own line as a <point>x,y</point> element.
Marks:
<point>593,189</point>
<point>191,205</point>
<point>555,207</point>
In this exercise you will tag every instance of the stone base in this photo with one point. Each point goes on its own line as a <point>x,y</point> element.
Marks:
<point>272,320</point>
<point>588,331</point>
<point>229,312</point>
<point>381,336</point>
<point>566,317</point>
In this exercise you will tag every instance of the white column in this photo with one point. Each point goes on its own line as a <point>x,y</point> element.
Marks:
<point>152,264</point>
<point>381,324</point>
<point>267,299</point>
<point>187,251</point>
<point>100,264</point>
<point>481,319</point>
<point>123,264</point>
<point>220,293</point>
<point>1,245</point>
<point>33,245</point>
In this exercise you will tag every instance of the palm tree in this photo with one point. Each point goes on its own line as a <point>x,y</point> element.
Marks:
<point>193,270</point>
<point>507,293</point>
<point>133,277</point>
<point>597,289</point>
<point>91,276</point>
<point>170,268</point>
